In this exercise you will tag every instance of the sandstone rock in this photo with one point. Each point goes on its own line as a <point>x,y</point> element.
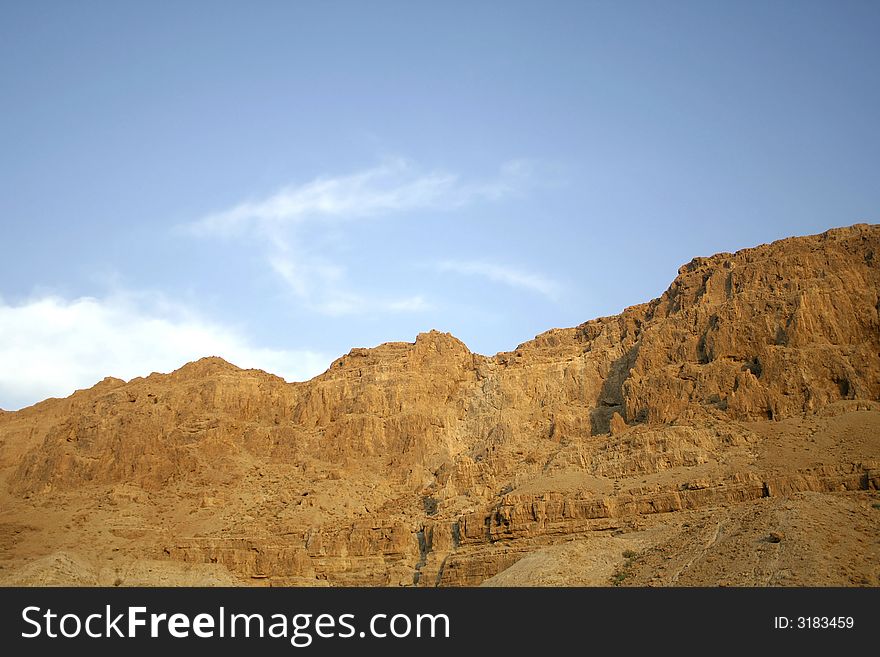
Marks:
<point>617,425</point>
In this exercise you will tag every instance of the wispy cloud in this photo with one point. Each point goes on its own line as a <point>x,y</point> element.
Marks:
<point>354,304</point>
<point>320,286</point>
<point>506,275</point>
<point>51,346</point>
<point>411,304</point>
<point>396,186</point>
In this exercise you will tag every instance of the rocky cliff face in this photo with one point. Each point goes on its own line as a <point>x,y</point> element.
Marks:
<point>754,377</point>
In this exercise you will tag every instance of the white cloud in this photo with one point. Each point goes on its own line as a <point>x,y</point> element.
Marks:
<point>303,274</point>
<point>396,185</point>
<point>412,304</point>
<point>51,346</point>
<point>350,304</point>
<point>294,252</point>
<point>505,275</point>
<point>320,286</point>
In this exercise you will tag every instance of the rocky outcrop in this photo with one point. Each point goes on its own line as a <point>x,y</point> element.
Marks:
<point>769,332</point>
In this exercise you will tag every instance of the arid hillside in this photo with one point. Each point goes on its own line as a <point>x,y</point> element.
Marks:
<point>726,433</point>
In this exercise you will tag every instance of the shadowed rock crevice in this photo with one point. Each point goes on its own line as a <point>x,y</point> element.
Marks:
<point>611,398</point>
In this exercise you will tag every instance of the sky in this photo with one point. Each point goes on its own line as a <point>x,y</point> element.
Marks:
<point>276,183</point>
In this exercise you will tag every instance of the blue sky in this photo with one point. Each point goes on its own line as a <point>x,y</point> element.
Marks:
<point>277,182</point>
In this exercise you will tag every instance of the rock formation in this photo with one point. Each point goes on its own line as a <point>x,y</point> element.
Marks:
<point>681,433</point>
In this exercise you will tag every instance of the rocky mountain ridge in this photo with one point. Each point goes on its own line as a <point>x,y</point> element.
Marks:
<point>752,382</point>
